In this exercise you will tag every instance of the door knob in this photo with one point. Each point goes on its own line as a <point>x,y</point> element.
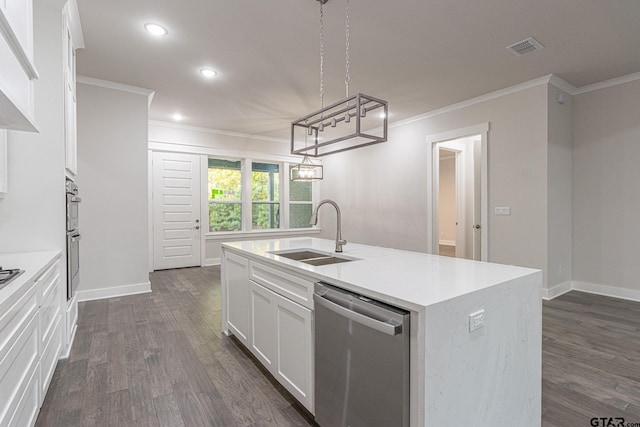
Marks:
<point>477,226</point>
<point>197,221</point>
<point>197,227</point>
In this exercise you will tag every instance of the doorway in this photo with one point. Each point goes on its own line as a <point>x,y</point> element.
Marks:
<point>457,193</point>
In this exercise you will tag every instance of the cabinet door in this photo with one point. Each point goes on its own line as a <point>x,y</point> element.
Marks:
<point>70,129</point>
<point>294,349</point>
<point>237,296</point>
<point>263,334</point>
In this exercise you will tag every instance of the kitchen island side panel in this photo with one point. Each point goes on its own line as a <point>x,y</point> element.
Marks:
<point>491,376</point>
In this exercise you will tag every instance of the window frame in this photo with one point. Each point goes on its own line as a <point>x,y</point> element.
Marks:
<point>247,197</point>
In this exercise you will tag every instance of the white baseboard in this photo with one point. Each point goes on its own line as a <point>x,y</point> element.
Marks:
<point>212,261</point>
<point>557,290</point>
<point>447,242</point>
<point>608,291</point>
<point>116,291</point>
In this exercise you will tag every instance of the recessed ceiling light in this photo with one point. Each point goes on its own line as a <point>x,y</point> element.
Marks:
<point>156,30</point>
<point>208,73</point>
<point>177,117</point>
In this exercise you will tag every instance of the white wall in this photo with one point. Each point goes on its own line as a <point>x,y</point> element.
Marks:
<point>112,171</point>
<point>447,195</point>
<point>559,198</point>
<point>32,216</point>
<point>382,189</point>
<point>606,202</point>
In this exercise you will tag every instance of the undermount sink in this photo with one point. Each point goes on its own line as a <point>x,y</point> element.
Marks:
<point>311,257</point>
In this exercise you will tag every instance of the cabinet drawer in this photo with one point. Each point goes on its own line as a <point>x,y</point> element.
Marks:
<point>47,281</point>
<point>14,318</point>
<point>49,313</point>
<point>285,284</point>
<point>16,369</point>
<point>49,358</point>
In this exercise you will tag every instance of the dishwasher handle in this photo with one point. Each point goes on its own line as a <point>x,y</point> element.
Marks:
<point>384,327</point>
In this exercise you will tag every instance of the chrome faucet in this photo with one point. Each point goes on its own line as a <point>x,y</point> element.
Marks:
<point>314,221</point>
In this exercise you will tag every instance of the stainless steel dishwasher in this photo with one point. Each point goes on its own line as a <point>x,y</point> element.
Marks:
<point>361,360</point>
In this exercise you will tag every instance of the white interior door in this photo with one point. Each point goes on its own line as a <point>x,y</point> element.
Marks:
<point>477,200</point>
<point>176,210</point>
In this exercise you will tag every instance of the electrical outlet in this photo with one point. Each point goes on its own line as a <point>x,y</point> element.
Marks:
<point>502,210</point>
<point>476,320</point>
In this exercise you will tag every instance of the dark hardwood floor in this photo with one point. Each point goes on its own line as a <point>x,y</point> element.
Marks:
<point>159,359</point>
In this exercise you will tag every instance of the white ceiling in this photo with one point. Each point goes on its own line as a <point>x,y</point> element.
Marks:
<point>419,55</point>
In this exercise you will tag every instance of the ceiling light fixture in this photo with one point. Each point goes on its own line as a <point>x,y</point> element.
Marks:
<point>156,30</point>
<point>177,117</point>
<point>345,124</point>
<point>208,73</point>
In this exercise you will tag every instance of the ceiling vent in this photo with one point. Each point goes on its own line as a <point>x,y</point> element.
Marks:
<point>525,46</point>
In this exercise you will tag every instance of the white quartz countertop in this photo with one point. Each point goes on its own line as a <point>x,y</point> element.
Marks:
<point>408,279</point>
<point>33,264</point>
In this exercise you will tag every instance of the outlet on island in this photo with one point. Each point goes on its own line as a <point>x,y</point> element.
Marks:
<point>476,320</point>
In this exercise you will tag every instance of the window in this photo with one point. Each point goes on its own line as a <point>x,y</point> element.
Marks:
<point>300,204</point>
<point>265,196</point>
<point>225,195</point>
<point>247,195</point>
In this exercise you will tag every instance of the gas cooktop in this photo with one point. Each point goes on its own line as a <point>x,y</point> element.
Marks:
<point>6,276</point>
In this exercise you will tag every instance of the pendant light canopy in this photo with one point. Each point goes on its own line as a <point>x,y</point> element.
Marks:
<point>356,121</point>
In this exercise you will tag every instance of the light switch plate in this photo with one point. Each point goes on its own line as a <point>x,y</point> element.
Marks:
<point>502,210</point>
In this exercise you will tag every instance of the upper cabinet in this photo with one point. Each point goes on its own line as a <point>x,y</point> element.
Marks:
<point>17,73</point>
<point>72,40</point>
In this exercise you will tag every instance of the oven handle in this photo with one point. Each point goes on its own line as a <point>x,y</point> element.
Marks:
<point>75,238</point>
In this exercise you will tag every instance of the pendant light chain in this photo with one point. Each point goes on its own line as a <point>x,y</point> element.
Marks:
<point>321,55</point>
<point>347,78</point>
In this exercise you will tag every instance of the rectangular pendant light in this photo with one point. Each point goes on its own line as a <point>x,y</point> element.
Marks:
<point>356,121</point>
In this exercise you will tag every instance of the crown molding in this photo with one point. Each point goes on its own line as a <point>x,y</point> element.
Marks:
<point>482,98</point>
<point>608,83</point>
<point>116,86</point>
<point>217,131</point>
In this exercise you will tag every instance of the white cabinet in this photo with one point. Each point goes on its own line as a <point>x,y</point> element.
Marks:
<point>30,342</point>
<point>282,339</point>
<point>4,172</point>
<point>236,278</point>
<point>70,101</point>
<point>270,312</point>
<point>17,73</point>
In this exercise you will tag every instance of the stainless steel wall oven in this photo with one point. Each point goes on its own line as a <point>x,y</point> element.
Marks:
<point>73,239</point>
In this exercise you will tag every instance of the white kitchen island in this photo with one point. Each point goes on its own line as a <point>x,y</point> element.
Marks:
<point>488,377</point>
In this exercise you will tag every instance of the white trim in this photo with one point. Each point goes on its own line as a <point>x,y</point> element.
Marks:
<point>261,234</point>
<point>482,98</point>
<point>217,131</point>
<point>116,291</point>
<point>448,242</point>
<point>481,129</point>
<point>608,83</point>
<point>150,206</point>
<point>66,352</point>
<point>224,153</point>
<point>458,133</point>
<point>85,80</point>
<point>556,291</point>
<point>212,261</point>
<point>606,290</point>
<point>548,79</point>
